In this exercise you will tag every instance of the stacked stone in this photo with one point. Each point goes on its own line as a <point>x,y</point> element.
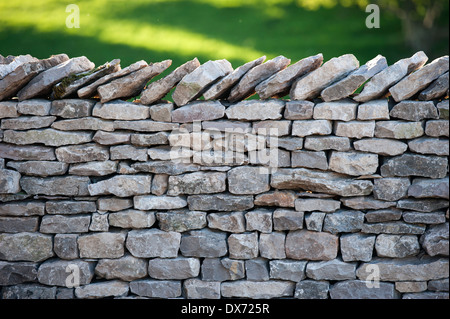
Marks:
<point>342,196</point>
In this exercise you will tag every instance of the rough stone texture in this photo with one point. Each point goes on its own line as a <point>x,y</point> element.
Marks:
<point>53,272</point>
<point>127,268</point>
<point>257,290</point>
<point>334,269</point>
<point>323,143</point>
<point>96,168</point>
<point>317,204</point>
<point>353,163</point>
<point>174,268</point>
<point>149,202</point>
<point>246,86</point>
<point>355,129</point>
<point>198,289</point>
<point>156,288</point>
<point>374,110</point>
<point>391,188</point>
<point>435,240</point>
<point>71,108</point>
<point>420,79</point>
<point>379,85</point>
<point>243,246</point>
<point>344,110</point>
<point>221,202</point>
<point>366,203</point>
<point>314,221</point>
<point>354,80</point>
<point>197,183</point>
<point>31,152</point>
<point>132,218</point>
<point>424,188</point>
<point>27,122</point>
<point>218,270</point>
<point>204,243</point>
<point>65,224</point>
<point>355,247</point>
<point>414,111</point>
<point>397,246</point>
<point>228,222</point>
<point>122,186</point>
<point>415,165</point>
<point>198,111</point>
<point>254,110</point>
<point>358,289</point>
<point>25,247</point>
<point>66,185</point>
<point>318,127</point>
<point>309,159</point>
<point>437,128</point>
<point>113,288</point>
<point>432,146</point>
<point>22,208</point>
<point>299,110</point>
<point>150,243</point>
<point>18,224</point>
<point>436,89</point>
<point>13,273</point>
<point>383,215</point>
<point>280,83</point>
<point>155,91</point>
<point>101,245</point>
<point>260,220</point>
<point>195,83</point>
<point>29,291</point>
<point>310,85</point>
<point>291,270</point>
<point>65,246</point>
<point>343,221</point>
<point>123,152</point>
<point>248,180</point>
<point>9,181</point>
<point>309,245</point>
<point>310,289</point>
<point>82,153</point>
<point>121,110</point>
<point>48,137</point>
<point>39,168</point>
<point>181,221</point>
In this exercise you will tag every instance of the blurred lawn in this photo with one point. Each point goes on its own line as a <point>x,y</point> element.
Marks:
<point>156,30</point>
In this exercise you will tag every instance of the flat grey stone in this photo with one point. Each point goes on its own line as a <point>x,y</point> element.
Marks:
<point>357,246</point>
<point>254,110</point>
<point>423,188</point>
<point>64,185</point>
<point>151,243</point>
<point>299,110</point>
<point>156,288</point>
<point>359,289</point>
<point>414,111</point>
<point>204,243</point>
<point>220,202</point>
<point>122,186</point>
<point>397,246</point>
<point>433,146</point>
<point>71,108</point>
<point>48,137</point>
<point>415,165</point>
<point>381,146</point>
<point>25,246</point>
<point>344,110</point>
<point>198,111</point>
<point>310,245</point>
<point>126,268</point>
<point>438,88</point>
<point>121,110</point>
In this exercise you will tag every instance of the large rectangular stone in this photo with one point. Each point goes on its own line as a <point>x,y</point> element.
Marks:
<point>311,127</point>
<point>197,183</point>
<point>257,290</point>
<point>220,202</point>
<point>415,165</point>
<point>254,110</point>
<point>198,111</point>
<point>151,243</point>
<point>60,224</point>
<point>23,208</point>
<point>355,129</point>
<point>121,110</point>
<point>67,185</point>
<point>122,186</point>
<point>101,245</point>
<point>48,137</point>
<point>344,110</point>
<point>152,202</point>
<point>27,152</point>
<point>71,108</point>
<point>310,245</point>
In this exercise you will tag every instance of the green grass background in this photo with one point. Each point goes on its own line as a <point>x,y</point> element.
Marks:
<point>180,30</point>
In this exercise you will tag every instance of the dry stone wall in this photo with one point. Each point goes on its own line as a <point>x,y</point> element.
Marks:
<point>326,193</point>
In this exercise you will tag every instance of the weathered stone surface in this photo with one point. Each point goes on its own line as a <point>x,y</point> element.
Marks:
<point>436,89</point>
<point>366,203</point>
<point>101,245</point>
<point>132,218</point>
<point>114,204</point>
<point>12,82</point>
<point>53,272</point>
<point>198,289</point>
<point>150,243</point>
<point>65,224</point>
<point>126,268</point>
<point>37,107</point>
<point>145,126</point>
<point>25,247</point>
<point>309,245</point>
<point>27,122</point>
<point>82,153</point>
<point>299,110</point>
<point>160,184</point>
<point>9,181</point>
<point>131,84</point>
<point>397,246</point>
<point>48,137</point>
<point>246,86</point>
<point>257,290</point>
<point>195,83</point>
<point>423,188</point>
<point>276,198</point>
<point>149,139</point>
<point>284,219</point>
<point>255,110</point>
<point>39,168</point>
<point>14,62</point>
<point>436,128</point>
<point>334,269</point>
<point>23,153</point>
<point>123,152</point>
<point>270,158</point>
<point>156,288</point>
<point>113,288</point>
<point>354,80</point>
<point>13,273</point>
<point>406,269</point>
<point>44,81</point>
<point>197,183</point>
<point>280,83</point>
<point>271,245</point>
<point>204,243</point>
<point>218,270</point>
<point>285,269</point>
<point>122,186</point>
<point>344,110</point>
<point>311,289</point>
<point>322,143</point>
<point>309,159</point>
<point>383,215</point>
<point>22,208</point>
<point>314,221</point>
<point>355,129</point>
<point>410,286</point>
<point>257,269</point>
<point>260,220</point>
<point>220,202</point>
<point>248,180</point>
<point>121,110</point>
<point>311,127</point>
<point>359,289</point>
<point>29,291</point>
<point>224,86</point>
<point>381,146</point>
<point>181,221</point>
<point>414,111</point>
<point>66,246</point>
<point>8,109</point>
<point>95,168</point>
<point>321,182</point>
<point>18,224</point>
<point>443,109</point>
<point>424,218</point>
<point>68,86</point>
<point>152,202</point>
<point>310,85</point>
<point>288,143</point>
<point>374,110</point>
<point>99,222</point>
<point>435,240</point>
<point>174,268</point>
<point>228,222</point>
<point>420,79</point>
<point>379,85</point>
<point>353,163</point>
<point>243,246</point>
<point>71,108</point>
<point>161,112</point>
<point>355,247</point>
<point>199,111</point>
<point>438,285</point>
<point>396,228</point>
<point>415,165</point>
<point>344,221</point>
<point>391,188</point>
<point>426,295</point>
<point>317,204</point>
<point>432,146</point>
<point>67,185</point>
<point>272,128</point>
<point>155,91</point>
